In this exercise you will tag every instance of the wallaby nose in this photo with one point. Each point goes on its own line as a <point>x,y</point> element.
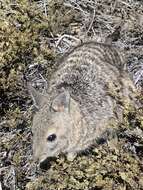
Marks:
<point>46,163</point>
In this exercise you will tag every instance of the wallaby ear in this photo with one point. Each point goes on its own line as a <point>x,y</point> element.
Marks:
<point>62,102</point>
<point>38,98</point>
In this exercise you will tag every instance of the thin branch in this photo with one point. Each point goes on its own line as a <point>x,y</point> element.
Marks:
<point>45,8</point>
<point>92,21</point>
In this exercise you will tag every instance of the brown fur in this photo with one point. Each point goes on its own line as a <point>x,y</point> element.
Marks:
<point>86,96</point>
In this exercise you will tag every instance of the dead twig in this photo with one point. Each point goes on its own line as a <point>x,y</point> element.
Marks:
<point>92,21</point>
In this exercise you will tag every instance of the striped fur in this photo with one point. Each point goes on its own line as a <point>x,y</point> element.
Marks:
<point>86,96</point>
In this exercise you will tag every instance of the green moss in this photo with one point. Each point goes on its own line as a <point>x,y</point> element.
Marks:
<point>60,17</point>
<point>21,29</point>
<point>91,172</point>
<point>23,33</point>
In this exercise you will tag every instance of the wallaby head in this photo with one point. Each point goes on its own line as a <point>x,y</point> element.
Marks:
<point>55,125</point>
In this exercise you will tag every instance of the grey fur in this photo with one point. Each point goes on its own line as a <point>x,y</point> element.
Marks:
<point>86,96</point>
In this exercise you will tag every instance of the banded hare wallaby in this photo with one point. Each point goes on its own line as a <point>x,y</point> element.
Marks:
<point>85,96</point>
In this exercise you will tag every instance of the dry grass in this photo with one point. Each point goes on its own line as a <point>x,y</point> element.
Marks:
<point>33,35</point>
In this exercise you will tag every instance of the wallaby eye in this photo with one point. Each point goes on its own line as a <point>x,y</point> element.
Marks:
<point>51,137</point>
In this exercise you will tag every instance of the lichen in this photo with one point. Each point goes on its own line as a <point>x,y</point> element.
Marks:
<point>25,32</point>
